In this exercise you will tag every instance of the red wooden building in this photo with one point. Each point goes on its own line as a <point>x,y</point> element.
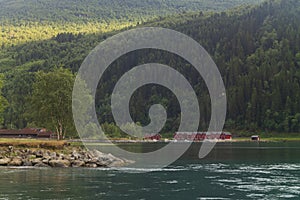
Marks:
<point>225,136</point>
<point>26,133</point>
<point>200,136</point>
<point>153,137</point>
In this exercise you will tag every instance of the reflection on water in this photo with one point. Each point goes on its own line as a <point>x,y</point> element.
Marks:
<point>231,171</point>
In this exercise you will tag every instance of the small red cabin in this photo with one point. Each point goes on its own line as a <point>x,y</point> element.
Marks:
<point>153,137</point>
<point>225,136</point>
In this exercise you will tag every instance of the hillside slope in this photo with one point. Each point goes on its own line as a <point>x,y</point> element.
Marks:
<point>31,20</point>
<point>257,50</point>
<point>104,10</point>
<point>258,53</point>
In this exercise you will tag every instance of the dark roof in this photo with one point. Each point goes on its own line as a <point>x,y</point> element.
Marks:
<point>25,131</point>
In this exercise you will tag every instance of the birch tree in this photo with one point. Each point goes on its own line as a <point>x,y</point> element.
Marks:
<point>51,101</point>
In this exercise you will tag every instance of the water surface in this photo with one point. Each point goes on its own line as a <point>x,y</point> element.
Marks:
<point>231,171</point>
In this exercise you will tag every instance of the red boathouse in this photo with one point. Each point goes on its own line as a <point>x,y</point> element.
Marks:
<point>200,136</point>
<point>26,133</point>
<point>156,137</point>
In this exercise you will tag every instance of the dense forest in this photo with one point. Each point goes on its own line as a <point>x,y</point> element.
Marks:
<point>104,10</point>
<point>257,49</point>
<point>23,21</point>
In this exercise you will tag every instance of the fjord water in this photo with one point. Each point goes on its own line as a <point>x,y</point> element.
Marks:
<point>231,171</point>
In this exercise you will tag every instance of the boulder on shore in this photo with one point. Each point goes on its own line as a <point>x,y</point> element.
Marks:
<point>59,163</point>
<point>41,165</point>
<point>108,160</point>
<point>15,162</point>
<point>4,161</point>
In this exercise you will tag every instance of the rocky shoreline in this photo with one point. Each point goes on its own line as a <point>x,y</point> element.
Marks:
<point>68,158</point>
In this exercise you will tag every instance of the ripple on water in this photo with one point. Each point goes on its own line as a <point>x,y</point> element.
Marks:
<point>286,196</point>
<point>211,198</point>
<point>257,181</point>
<point>139,170</point>
<point>171,182</point>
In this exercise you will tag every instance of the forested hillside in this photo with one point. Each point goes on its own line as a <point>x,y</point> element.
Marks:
<point>258,53</point>
<point>257,50</point>
<point>29,20</point>
<point>104,10</point>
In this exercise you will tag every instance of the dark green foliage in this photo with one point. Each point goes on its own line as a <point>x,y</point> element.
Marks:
<point>17,89</point>
<point>257,50</point>
<point>51,101</point>
<point>3,101</point>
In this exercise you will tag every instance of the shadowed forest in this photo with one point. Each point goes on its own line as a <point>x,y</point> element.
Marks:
<point>255,46</point>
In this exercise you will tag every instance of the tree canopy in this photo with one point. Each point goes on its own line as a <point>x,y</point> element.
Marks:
<point>51,101</point>
<point>3,101</point>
